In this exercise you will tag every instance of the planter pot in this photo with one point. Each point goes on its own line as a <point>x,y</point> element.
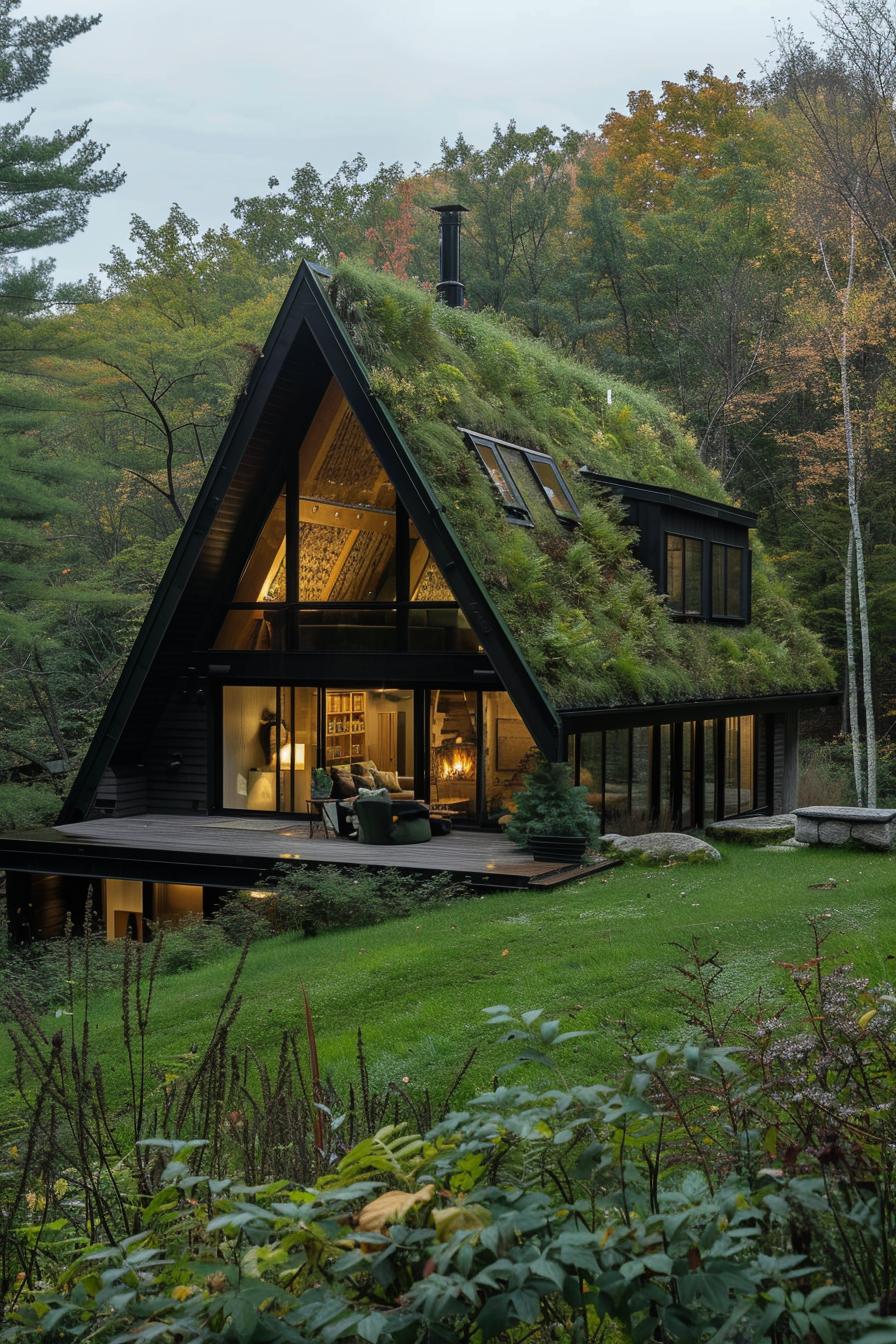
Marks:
<point>319,796</point>
<point>558,848</point>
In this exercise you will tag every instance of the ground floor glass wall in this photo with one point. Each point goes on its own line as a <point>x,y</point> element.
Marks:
<point>673,776</point>
<point>472,754</point>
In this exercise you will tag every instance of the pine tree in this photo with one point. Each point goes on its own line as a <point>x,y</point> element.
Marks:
<point>46,186</point>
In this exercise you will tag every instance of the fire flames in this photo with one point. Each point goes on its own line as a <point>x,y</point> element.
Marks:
<point>458,762</point>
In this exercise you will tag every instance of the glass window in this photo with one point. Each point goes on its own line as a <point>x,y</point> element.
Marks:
<point>495,468</point>
<point>684,574</point>
<point>666,820</point>
<point>642,773</point>
<point>508,752</point>
<point>511,468</point>
<point>433,626</point>
<point>733,590</point>
<point>709,770</point>
<point>553,485</point>
<point>346,521</point>
<point>370,732</point>
<point>268,747</point>
<point>718,580</point>
<point>693,576</point>
<point>675,571</point>
<point>732,770</point>
<point>740,765</point>
<point>264,577</point>
<point>262,629</point>
<point>688,751</point>
<point>727,581</point>
<point>617,777</point>
<point>747,764</point>
<point>591,774</point>
<point>453,748</point>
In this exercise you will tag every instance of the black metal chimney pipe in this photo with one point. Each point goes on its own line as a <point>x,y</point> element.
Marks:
<point>449,289</point>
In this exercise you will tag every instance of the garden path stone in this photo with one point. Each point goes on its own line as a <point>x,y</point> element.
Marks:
<point>660,847</point>
<point>753,830</point>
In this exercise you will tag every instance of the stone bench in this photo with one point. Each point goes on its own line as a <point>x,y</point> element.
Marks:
<point>874,827</point>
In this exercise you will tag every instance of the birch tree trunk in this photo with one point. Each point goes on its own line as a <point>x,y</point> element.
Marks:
<point>841,352</point>
<point>855,728</point>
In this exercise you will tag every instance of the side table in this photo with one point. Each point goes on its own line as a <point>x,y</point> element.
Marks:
<point>319,816</point>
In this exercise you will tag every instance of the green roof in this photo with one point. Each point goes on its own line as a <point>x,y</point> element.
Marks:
<point>586,615</point>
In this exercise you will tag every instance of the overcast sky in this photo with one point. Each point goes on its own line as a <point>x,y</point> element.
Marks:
<point>203,100</point>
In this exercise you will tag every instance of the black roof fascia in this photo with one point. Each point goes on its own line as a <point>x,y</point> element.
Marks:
<point>431,519</point>
<point>623,716</point>
<point>306,303</point>
<point>676,499</point>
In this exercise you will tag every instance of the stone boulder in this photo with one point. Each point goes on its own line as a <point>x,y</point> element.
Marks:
<point>754,830</point>
<point>660,847</point>
<point>871,827</point>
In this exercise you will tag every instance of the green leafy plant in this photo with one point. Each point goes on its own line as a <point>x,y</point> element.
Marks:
<point>313,900</point>
<point>550,804</point>
<point>585,1212</point>
<point>321,782</point>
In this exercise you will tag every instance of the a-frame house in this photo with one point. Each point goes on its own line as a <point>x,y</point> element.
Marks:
<point>324,608</point>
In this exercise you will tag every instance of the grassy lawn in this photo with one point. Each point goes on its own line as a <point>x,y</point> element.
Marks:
<point>598,951</point>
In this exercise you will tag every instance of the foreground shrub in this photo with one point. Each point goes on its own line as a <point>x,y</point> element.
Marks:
<point>560,1210</point>
<point>310,900</point>
<point>314,900</point>
<point>738,1187</point>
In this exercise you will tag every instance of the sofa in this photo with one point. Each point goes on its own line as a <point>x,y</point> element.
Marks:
<point>355,775</point>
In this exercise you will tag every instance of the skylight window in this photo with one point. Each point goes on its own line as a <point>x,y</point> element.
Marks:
<point>501,478</point>
<point>555,488</point>
<point>496,457</point>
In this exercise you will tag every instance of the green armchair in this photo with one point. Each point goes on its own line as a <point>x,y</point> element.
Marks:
<point>383,821</point>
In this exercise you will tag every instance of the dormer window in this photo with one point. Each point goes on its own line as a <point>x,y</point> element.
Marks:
<point>501,460</point>
<point>698,550</point>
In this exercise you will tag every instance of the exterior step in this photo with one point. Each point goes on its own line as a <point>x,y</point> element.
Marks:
<point>573,873</point>
<point>541,875</point>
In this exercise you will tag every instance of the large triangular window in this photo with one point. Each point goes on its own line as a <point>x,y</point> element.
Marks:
<point>338,564</point>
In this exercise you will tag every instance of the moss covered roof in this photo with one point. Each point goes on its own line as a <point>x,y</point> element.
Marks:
<point>586,615</point>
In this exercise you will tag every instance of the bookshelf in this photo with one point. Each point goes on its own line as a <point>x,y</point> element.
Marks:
<point>346,727</point>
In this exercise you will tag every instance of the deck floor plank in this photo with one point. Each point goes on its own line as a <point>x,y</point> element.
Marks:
<point>177,847</point>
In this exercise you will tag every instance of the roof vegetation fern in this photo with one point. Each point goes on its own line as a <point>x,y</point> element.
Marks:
<point>586,615</point>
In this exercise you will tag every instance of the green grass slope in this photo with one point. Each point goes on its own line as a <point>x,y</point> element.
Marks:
<point>587,616</point>
<point>596,953</point>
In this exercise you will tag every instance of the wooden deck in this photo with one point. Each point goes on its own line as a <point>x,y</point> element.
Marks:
<point>216,852</point>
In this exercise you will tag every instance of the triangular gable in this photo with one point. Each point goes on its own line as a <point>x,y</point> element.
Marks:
<point>309,343</point>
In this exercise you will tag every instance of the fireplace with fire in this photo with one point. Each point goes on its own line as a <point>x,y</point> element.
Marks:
<point>456,760</point>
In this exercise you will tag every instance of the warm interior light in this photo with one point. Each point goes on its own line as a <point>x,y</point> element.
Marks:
<point>286,754</point>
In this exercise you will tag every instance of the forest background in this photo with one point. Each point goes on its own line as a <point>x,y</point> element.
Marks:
<point>728,243</point>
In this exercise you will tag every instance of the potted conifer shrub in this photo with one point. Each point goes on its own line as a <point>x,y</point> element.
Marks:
<point>552,817</point>
<point>321,782</point>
